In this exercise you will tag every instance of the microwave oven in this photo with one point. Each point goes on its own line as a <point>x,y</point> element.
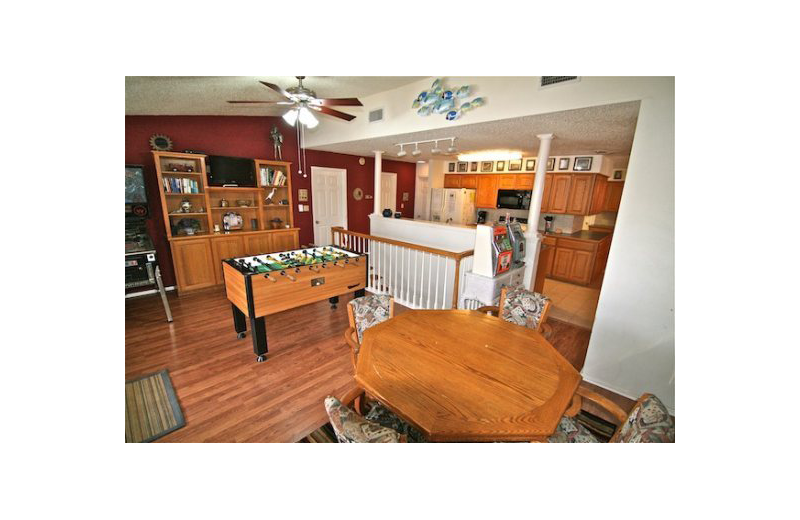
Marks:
<point>513,199</point>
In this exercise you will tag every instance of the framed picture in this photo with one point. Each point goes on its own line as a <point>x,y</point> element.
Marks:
<point>582,164</point>
<point>551,164</point>
<point>462,167</point>
<point>530,165</point>
<point>487,166</point>
<point>473,166</point>
<point>451,167</point>
<point>563,163</point>
<point>501,166</point>
<point>515,165</point>
<point>618,174</point>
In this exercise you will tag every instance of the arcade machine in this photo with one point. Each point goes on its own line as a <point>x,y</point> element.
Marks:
<point>141,268</point>
<point>517,239</point>
<point>492,268</point>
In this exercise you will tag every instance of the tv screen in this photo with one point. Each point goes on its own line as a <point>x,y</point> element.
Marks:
<point>134,185</point>
<point>231,170</point>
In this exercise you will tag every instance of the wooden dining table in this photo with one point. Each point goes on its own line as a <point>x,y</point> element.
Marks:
<point>460,375</point>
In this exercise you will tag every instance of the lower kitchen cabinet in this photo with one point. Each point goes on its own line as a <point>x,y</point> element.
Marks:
<point>578,261</point>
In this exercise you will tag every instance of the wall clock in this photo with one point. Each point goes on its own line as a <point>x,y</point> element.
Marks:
<point>362,161</point>
<point>358,194</point>
<point>160,143</point>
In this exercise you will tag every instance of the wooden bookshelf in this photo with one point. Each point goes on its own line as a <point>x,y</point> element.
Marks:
<point>197,258</point>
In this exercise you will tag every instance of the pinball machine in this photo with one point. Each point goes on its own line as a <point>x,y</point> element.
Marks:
<point>260,285</point>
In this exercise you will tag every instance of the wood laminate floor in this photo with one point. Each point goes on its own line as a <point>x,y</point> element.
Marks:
<point>224,394</point>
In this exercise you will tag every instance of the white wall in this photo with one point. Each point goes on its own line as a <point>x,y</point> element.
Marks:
<point>632,348</point>
<point>422,193</point>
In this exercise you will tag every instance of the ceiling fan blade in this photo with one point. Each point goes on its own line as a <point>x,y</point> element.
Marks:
<point>265,102</point>
<point>277,89</point>
<point>332,112</point>
<point>353,102</point>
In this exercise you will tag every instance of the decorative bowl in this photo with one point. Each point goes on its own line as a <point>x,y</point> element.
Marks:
<point>243,203</point>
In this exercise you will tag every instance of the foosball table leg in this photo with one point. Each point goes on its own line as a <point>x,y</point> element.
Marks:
<point>239,322</point>
<point>259,331</point>
<point>359,293</point>
<point>334,300</point>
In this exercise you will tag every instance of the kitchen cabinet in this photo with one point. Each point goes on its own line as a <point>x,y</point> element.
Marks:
<point>486,195</point>
<point>469,181</point>
<point>598,194</point>
<point>562,262</point>
<point>580,194</point>
<point>452,181</point>
<point>507,182</point>
<point>613,196</point>
<point>578,261</point>
<point>559,193</point>
<point>524,182</point>
<point>546,192</point>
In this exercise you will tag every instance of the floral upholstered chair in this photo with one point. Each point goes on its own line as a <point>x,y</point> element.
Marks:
<point>351,427</point>
<point>363,313</point>
<point>521,307</point>
<point>648,421</point>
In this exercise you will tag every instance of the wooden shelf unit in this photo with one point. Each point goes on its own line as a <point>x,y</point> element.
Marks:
<point>197,258</point>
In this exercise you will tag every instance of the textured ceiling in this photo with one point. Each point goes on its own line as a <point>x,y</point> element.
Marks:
<point>199,96</point>
<point>583,131</point>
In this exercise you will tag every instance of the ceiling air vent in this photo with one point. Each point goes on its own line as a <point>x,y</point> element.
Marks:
<point>376,115</point>
<point>553,80</point>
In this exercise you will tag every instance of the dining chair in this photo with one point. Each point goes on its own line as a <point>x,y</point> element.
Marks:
<point>521,307</point>
<point>648,421</point>
<point>351,427</point>
<point>363,313</point>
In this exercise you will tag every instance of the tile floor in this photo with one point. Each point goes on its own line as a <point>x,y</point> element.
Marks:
<point>574,304</point>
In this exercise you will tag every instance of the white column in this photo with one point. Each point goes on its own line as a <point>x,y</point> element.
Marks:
<point>532,239</point>
<point>376,202</point>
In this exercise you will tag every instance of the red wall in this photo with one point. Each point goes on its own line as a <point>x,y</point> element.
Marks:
<point>241,136</point>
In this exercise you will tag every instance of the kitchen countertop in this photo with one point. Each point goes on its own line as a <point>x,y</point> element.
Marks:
<point>591,236</point>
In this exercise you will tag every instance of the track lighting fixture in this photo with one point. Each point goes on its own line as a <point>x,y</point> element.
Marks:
<point>452,148</point>
<point>416,151</point>
<point>436,149</point>
<point>401,153</point>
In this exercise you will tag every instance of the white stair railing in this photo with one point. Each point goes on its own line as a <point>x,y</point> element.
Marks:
<point>416,276</point>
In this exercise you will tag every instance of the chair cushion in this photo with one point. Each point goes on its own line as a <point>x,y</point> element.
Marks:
<point>523,307</point>
<point>649,421</point>
<point>370,310</point>
<point>570,430</point>
<point>351,427</point>
<point>385,417</point>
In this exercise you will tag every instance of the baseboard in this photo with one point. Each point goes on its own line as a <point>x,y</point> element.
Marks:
<point>149,291</point>
<point>611,388</point>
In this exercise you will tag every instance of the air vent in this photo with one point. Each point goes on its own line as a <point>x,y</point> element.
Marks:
<point>376,115</point>
<point>552,80</point>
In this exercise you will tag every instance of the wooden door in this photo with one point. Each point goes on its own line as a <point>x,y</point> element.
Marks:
<point>562,262</point>
<point>486,197</point>
<point>287,240</point>
<point>507,182</point>
<point>452,181</point>
<point>580,195</point>
<point>524,182</point>
<point>468,181</point>
<point>580,270</point>
<point>225,247</point>
<point>559,196</point>
<point>613,196</point>
<point>329,201</point>
<point>258,244</point>
<point>548,190</point>
<point>194,267</point>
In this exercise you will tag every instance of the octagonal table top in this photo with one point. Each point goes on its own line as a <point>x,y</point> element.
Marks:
<point>464,375</point>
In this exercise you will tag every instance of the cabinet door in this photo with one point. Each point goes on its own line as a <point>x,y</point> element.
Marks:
<point>194,268</point>
<point>598,195</point>
<point>580,195</point>
<point>258,244</point>
<point>225,247</point>
<point>562,262</point>
<point>524,182</point>
<point>507,182</point>
<point>580,270</point>
<point>469,181</point>
<point>486,197</point>
<point>613,196</point>
<point>452,181</point>
<point>285,240</point>
<point>548,190</point>
<point>559,196</point>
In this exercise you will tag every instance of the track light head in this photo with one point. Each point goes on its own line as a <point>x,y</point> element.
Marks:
<point>401,153</point>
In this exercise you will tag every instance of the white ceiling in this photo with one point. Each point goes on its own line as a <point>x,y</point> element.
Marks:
<point>198,96</point>
<point>584,131</point>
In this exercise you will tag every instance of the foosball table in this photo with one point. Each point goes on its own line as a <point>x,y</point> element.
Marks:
<point>261,285</point>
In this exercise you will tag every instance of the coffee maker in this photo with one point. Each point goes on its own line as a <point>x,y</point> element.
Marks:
<point>481,216</point>
<point>548,224</point>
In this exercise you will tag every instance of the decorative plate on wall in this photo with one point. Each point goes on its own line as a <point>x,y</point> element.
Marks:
<point>358,194</point>
<point>160,143</point>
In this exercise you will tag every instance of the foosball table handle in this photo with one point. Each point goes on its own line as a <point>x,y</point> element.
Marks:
<point>339,265</point>
<point>290,277</point>
<point>312,268</point>
<point>271,279</point>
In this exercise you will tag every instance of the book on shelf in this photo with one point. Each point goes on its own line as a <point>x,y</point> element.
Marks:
<point>272,177</point>
<point>180,185</point>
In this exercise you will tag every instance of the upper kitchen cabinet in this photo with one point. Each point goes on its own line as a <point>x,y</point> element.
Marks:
<point>574,193</point>
<point>486,195</point>
<point>452,181</point>
<point>559,193</point>
<point>613,196</point>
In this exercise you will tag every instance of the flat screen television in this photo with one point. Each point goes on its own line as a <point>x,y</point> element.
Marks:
<point>236,171</point>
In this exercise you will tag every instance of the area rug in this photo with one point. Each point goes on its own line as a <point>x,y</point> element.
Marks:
<point>151,408</point>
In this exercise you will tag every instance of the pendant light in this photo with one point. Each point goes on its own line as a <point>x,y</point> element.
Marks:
<point>291,116</point>
<point>307,118</point>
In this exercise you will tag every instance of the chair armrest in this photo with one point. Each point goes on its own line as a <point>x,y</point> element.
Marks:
<point>604,402</point>
<point>354,399</point>
<point>491,310</point>
<point>351,339</point>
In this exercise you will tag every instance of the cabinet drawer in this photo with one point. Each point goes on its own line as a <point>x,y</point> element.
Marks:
<point>550,241</point>
<point>579,245</point>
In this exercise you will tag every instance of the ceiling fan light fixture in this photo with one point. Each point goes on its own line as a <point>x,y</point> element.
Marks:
<point>291,116</point>
<point>307,118</point>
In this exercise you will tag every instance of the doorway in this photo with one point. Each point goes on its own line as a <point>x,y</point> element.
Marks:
<point>389,191</point>
<point>328,201</point>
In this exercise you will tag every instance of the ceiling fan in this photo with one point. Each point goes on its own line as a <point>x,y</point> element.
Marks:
<point>301,100</point>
